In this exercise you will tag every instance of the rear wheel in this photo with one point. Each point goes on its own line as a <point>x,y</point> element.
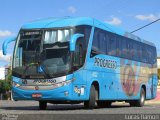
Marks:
<point>141,101</point>
<point>42,105</point>
<point>103,104</point>
<point>90,104</point>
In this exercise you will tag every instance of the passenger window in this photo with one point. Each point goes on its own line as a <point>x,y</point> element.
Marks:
<point>103,43</point>
<point>154,53</point>
<point>118,46</point>
<point>144,55</point>
<point>151,55</point>
<point>124,48</point>
<point>135,51</point>
<point>139,52</point>
<point>78,54</point>
<point>95,44</point>
<point>130,49</point>
<point>112,45</point>
<point>99,44</point>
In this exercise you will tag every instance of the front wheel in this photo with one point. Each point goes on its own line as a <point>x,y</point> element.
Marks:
<point>104,104</point>
<point>42,105</point>
<point>90,104</point>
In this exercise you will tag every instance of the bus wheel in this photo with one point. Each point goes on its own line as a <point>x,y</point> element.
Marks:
<point>90,104</point>
<point>103,104</point>
<point>42,105</point>
<point>132,103</point>
<point>141,101</point>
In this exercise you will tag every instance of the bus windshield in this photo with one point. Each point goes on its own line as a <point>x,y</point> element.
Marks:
<point>42,53</point>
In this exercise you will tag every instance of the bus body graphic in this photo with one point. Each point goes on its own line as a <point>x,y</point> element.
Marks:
<point>73,60</point>
<point>130,82</point>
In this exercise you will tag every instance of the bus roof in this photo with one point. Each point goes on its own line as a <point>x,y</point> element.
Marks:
<point>75,21</point>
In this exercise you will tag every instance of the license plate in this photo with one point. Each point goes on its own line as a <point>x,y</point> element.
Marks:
<point>36,95</point>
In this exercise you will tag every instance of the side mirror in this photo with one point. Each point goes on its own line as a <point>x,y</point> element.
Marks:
<point>73,41</point>
<point>5,44</point>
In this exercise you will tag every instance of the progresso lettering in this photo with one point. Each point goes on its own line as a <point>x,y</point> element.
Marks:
<point>105,63</point>
<point>44,81</point>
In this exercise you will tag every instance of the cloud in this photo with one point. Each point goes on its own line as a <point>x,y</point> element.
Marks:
<point>149,17</point>
<point>72,9</point>
<point>4,57</point>
<point>5,33</point>
<point>114,21</point>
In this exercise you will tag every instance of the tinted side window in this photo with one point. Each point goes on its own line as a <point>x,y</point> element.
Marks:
<point>82,43</point>
<point>139,52</point>
<point>112,45</point>
<point>99,44</point>
<point>96,43</point>
<point>135,51</point>
<point>115,45</point>
<point>130,51</point>
<point>124,48</point>
<point>151,53</point>
<point>144,55</point>
<point>103,42</point>
<point>86,30</point>
<point>154,52</point>
<point>118,38</point>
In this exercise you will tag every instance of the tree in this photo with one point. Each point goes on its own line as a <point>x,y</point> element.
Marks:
<point>5,85</point>
<point>2,88</point>
<point>8,80</point>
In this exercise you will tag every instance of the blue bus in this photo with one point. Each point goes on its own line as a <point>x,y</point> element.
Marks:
<point>75,60</point>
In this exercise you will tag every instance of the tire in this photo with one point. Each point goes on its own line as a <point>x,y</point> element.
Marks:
<point>104,104</point>
<point>141,101</point>
<point>91,103</point>
<point>42,105</point>
<point>132,103</point>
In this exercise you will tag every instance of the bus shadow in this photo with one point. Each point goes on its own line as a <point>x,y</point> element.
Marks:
<point>60,107</point>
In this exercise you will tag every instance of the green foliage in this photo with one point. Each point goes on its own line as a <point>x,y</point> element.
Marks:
<point>5,85</point>
<point>2,88</point>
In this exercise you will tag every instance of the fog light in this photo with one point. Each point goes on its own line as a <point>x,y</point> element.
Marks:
<point>15,84</point>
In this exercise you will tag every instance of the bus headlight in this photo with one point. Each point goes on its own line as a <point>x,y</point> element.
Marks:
<point>62,83</point>
<point>14,84</point>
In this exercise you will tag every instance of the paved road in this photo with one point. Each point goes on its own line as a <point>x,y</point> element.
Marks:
<point>28,110</point>
<point>31,107</point>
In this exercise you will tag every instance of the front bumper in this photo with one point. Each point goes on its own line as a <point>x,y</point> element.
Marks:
<point>61,93</point>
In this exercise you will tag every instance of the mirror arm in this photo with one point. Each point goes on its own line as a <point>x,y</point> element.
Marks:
<point>73,41</point>
<point>5,44</point>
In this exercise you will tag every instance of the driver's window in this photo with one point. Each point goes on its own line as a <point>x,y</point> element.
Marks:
<point>78,54</point>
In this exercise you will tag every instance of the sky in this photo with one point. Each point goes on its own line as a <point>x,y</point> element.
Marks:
<point>125,14</point>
